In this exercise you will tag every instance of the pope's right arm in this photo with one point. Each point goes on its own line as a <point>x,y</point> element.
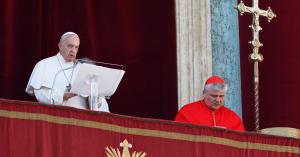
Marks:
<point>43,95</point>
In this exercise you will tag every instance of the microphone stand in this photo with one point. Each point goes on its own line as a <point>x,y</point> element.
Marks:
<point>54,80</point>
<point>83,60</point>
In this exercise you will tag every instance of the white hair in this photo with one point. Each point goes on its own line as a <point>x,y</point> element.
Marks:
<point>215,86</point>
<point>66,35</point>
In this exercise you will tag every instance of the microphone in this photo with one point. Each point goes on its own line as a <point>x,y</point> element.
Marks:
<point>89,61</point>
<point>56,74</point>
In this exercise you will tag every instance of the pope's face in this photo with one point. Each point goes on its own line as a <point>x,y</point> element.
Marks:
<point>214,99</point>
<point>69,47</point>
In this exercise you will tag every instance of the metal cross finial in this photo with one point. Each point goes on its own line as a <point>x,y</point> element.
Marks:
<point>255,56</point>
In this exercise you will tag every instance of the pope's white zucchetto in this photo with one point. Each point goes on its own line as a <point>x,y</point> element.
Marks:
<point>66,35</point>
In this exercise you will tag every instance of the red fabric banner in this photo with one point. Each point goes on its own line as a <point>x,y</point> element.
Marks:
<point>31,129</point>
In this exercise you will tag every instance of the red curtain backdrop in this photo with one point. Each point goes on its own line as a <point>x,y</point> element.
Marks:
<point>279,72</point>
<point>36,130</point>
<point>141,36</point>
<point>137,34</point>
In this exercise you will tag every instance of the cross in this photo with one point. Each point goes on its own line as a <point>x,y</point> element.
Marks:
<point>126,145</point>
<point>255,56</point>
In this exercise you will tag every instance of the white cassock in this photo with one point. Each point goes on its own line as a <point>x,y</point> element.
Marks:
<point>49,81</point>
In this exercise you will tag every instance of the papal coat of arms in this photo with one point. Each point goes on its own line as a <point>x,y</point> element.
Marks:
<point>112,152</point>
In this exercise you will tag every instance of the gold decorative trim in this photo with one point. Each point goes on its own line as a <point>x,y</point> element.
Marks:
<point>147,132</point>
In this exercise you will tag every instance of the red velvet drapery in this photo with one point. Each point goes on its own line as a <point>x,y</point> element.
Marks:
<point>141,35</point>
<point>34,130</point>
<point>137,34</point>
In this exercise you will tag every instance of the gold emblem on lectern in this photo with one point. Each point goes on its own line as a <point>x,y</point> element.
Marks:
<point>112,152</point>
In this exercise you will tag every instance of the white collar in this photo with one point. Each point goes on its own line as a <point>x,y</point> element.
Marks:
<point>63,61</point>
